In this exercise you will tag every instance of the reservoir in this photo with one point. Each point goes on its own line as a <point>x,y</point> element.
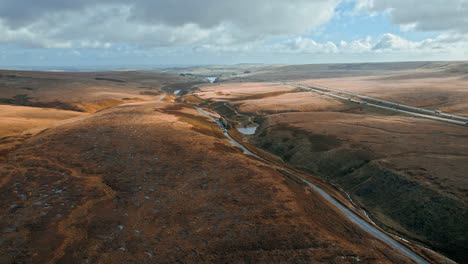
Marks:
<point>212,79</point>
<point>247,130</point>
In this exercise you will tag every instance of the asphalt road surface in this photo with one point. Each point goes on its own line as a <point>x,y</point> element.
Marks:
<point>393,105</point>
<point>463,118</point>
<point>356,219</point>
<point>164,95</point>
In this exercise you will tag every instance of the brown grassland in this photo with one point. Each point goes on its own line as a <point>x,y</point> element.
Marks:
<point>95,169</point>
<point>408,173</point>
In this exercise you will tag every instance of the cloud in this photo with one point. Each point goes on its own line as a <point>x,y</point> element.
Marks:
<point>29,38</point>
<point>99,24</point>
<point>309,46</point>
<point>232,30</point>
<point>356,46</point>
<point>393,42</point>
<point>407,27</point>
<point>305,45</point>
<point>427,15</point>
<point>444,43</point>
<point>387,44</point>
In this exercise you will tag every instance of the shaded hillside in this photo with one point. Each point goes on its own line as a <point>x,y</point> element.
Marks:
<point>155,182</point>
<point>85,91</point>
<point>417,190</point>
<point>408,173</point>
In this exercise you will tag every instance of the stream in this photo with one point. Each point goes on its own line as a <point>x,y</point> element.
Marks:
<point>352,216</point>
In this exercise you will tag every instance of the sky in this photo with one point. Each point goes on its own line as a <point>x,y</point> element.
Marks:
<point>135,33</point>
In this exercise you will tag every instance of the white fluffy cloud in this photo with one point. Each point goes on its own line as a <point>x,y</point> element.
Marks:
<point>448,44</point>
<point>356,46</point>
<point>305,45</point>
<point>231,28</point>
<point>99,24</point>
<point>393,42</point>
<point>445,43</point>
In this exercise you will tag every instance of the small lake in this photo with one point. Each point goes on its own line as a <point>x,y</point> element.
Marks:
<point>212,79</point>
<point>247,130</point>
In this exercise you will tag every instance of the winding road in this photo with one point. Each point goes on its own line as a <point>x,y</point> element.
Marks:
<point>353,217</point>
<point>164,95</point>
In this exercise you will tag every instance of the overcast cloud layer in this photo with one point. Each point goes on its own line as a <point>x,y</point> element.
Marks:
<point>430,15</point>
<point>86,23</point>
<point>260,28</point>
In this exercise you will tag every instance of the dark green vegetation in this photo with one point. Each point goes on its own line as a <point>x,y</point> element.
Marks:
<point>25,100</point>
<point>408,173</point>
<point>392,196</point>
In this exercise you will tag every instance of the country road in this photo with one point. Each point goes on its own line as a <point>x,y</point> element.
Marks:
<point>164,95</point>
<point>463,118</point>
<point>392,105</point>
<point>353,217</point>
<point>378,106</point>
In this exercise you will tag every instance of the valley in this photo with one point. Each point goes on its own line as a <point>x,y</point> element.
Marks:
<point>120,166</point>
